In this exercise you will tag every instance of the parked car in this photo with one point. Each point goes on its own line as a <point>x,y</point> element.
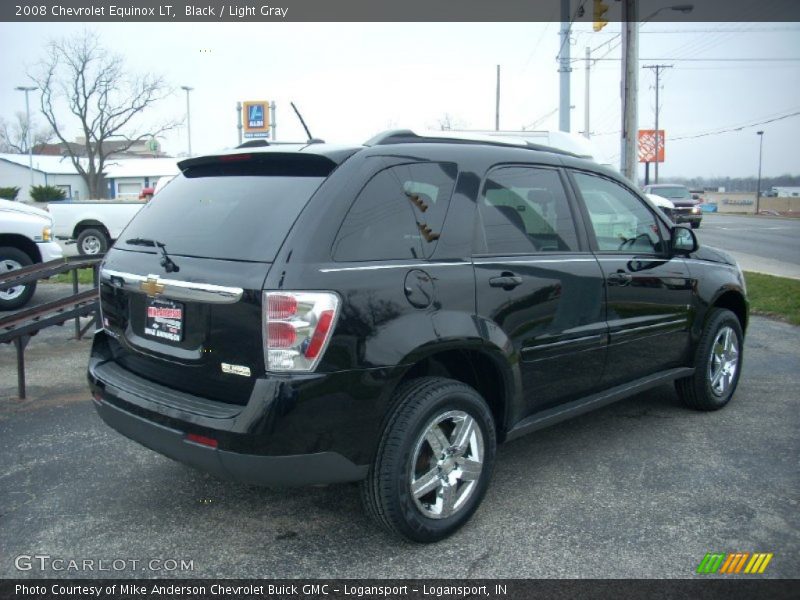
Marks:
<point>390,313</point>
<point>25,239</point>
<point>687,208</point>
<point>93,225</point>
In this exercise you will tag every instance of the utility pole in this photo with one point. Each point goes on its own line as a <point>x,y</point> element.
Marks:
<point>497,103</point>
<point>272,122</point>
<point>239,121</point>
<point>587,130</point>
<point>188,89</point>
<point>564,69</point>
<point>29,142</point>
<point>659,142</point>
<point>630,85</point>
<point>758,185</point>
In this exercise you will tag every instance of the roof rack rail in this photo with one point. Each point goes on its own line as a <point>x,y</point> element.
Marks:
<point>407,136</point>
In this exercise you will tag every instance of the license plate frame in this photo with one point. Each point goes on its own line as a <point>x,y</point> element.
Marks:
<point>164,320</point>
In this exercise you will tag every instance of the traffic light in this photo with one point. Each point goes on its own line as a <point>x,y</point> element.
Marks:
<point>600,9</point>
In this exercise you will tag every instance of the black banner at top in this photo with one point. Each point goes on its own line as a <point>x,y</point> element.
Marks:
<point>388,10</point>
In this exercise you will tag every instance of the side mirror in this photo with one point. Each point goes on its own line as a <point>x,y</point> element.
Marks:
<point>684,241</point>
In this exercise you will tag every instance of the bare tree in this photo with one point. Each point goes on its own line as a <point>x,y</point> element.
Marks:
<point>104,100</point>
<point>448,122</point>
<point>14,135</point>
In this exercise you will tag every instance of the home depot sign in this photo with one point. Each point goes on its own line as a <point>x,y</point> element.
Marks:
<point>647,145</point>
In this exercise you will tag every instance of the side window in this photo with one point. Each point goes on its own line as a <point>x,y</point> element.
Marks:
<point>525,210</point>
<point>398,215</point>
<point>621,221</point>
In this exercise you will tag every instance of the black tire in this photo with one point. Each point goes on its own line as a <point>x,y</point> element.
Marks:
<point>10,260</point>
<point>386,493</point>
<point>698,391</point>
<point>92,241</point>
<point>695,225</point>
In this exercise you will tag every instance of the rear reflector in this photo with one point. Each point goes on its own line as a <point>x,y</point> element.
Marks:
<point>201,439</point>
<point>320,334</point>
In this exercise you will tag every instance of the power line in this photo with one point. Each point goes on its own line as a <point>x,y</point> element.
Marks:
<point>728,130</point>
<point>613,32</point>
<point>792,59</point>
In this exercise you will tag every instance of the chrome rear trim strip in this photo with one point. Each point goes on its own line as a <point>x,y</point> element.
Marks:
<point>174,289</point>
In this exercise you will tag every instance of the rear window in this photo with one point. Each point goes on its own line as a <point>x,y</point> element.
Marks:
<point>230,212</point>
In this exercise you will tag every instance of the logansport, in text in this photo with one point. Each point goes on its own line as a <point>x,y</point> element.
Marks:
<point>264,590</point>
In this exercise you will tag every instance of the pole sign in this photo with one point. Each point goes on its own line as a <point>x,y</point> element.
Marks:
<point>647,146</point>
<point>255,118</point>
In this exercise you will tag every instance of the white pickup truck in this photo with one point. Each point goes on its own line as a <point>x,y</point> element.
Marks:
<point>94,225</point>
<point>25,239</point>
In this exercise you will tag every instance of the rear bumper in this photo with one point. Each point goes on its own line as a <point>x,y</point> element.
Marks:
<point>294,430</point>
<point>302,469</point>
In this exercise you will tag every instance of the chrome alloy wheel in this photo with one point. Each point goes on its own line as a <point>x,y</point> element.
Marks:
<point>15,292</point>
<point>447,464</point>
<point>724,361</point>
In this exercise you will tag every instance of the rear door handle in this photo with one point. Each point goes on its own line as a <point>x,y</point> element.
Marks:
<point>507,281</point>
<point>619,279</point>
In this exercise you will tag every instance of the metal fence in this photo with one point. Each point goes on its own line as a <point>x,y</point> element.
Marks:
<point>18,327</point>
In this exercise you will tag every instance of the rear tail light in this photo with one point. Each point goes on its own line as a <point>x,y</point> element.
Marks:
<point>297,328</point>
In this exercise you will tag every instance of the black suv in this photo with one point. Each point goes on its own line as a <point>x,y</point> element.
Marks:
<point>391,312</point>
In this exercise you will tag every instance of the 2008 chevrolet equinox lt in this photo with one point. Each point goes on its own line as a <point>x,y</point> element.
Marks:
<point>389,313</point>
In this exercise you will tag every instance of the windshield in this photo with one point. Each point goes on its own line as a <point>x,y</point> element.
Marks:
<point>223,217</point>
<point>672,191</point>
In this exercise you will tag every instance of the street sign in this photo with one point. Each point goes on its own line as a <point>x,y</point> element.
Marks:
<point>647,146</point>
<point>255,118</point>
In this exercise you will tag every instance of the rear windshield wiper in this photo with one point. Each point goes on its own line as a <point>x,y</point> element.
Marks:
<point>166,262</point>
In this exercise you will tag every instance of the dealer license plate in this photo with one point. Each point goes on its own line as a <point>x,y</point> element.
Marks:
<point>164,319</point>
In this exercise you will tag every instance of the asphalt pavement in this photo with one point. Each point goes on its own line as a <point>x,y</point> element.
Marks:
<point>763,244</point>
<point>640,489</point>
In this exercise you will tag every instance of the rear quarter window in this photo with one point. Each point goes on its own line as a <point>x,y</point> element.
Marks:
<point>398,214</point>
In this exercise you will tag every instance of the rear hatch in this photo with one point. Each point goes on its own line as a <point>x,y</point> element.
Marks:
<point>181,289</point>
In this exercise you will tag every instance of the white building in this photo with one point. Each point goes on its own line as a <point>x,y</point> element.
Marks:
<point>125,177</point>
<point>785,191</point>
<point>57,171</point>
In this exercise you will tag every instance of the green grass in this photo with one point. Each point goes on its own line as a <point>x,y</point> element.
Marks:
<point>769,295</point>
<point>84,276</point>
<point>774,296</point>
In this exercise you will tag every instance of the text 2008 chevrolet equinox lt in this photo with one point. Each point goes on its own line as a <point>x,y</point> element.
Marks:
<point>389,313</point>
